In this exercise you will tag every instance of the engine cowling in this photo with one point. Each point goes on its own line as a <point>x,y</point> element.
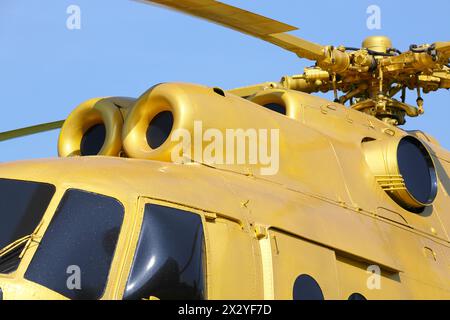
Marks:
<point>94,128</point>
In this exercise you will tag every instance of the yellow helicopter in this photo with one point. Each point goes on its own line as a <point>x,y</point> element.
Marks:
<point>261,192</point>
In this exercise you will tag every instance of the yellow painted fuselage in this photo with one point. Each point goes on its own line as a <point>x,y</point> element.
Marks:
<point>324,214</point>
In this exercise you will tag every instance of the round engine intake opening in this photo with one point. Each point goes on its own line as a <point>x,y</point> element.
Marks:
<point>417,169</point>
<point>276,107</point>
<point>159,129</point>
<point>93,140</point>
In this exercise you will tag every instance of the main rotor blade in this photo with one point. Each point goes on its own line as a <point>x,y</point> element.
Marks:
<point>246,22</point>
<point>17,133</point>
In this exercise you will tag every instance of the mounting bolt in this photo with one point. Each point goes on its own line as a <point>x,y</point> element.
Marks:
<point>420,105</point>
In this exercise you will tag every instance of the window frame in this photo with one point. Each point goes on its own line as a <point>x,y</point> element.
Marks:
<point>46,217</point>
<point>21,196</point>
<point>115,271</point>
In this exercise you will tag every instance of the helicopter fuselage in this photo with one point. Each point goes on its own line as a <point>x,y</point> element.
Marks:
<point>192,230</point>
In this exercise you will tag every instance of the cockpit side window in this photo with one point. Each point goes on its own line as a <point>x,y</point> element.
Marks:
<point>169,261</point>
<point>22,206</point>
<point>75,255</point>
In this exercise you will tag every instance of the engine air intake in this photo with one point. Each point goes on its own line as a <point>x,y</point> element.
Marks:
<point>94,128</point>
<point>404,169</point>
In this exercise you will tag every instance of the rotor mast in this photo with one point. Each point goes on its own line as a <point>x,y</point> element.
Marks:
<point>370,77</point>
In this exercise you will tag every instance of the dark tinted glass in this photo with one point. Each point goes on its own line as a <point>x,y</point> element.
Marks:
<point>83,233</point>
<point>417,170</point>
<point>356,296</point>
<point>92,141</point>
<point>22,205</point>
<point>276,107</point>
<point>306,288</point>
<point>169,259</point>
<point>10,261</point>
<point>159,129</point>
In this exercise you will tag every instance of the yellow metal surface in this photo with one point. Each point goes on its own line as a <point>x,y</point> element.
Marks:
<point>377,43</point>
<point>381,157</point>
<point>107,111</point>
<point>324,204</point>
<point>331,209</point>
<point>234,257</point>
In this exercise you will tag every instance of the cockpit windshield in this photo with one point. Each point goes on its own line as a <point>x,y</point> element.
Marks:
<point>75,254</point>
<point>22,206</point>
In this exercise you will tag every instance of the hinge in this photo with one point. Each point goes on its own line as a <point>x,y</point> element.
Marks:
<point>260,231</point>
<point>210,216</point>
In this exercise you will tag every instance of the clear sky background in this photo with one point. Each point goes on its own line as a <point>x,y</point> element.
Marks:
<point>124,47</point>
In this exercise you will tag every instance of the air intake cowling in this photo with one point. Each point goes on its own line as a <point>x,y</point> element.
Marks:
<point>170,108</point>
<point>282,101</point>
<point>404,169</point>
<point>94,128</point>
<point>181,122</point>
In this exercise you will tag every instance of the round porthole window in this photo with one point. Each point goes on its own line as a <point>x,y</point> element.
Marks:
<point>306,288</point>
<point>356,296</point>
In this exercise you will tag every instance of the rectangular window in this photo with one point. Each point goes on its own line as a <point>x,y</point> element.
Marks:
<point>75,255</point>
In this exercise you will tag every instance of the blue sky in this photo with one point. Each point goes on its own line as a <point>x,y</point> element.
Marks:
<point>124,47</point>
